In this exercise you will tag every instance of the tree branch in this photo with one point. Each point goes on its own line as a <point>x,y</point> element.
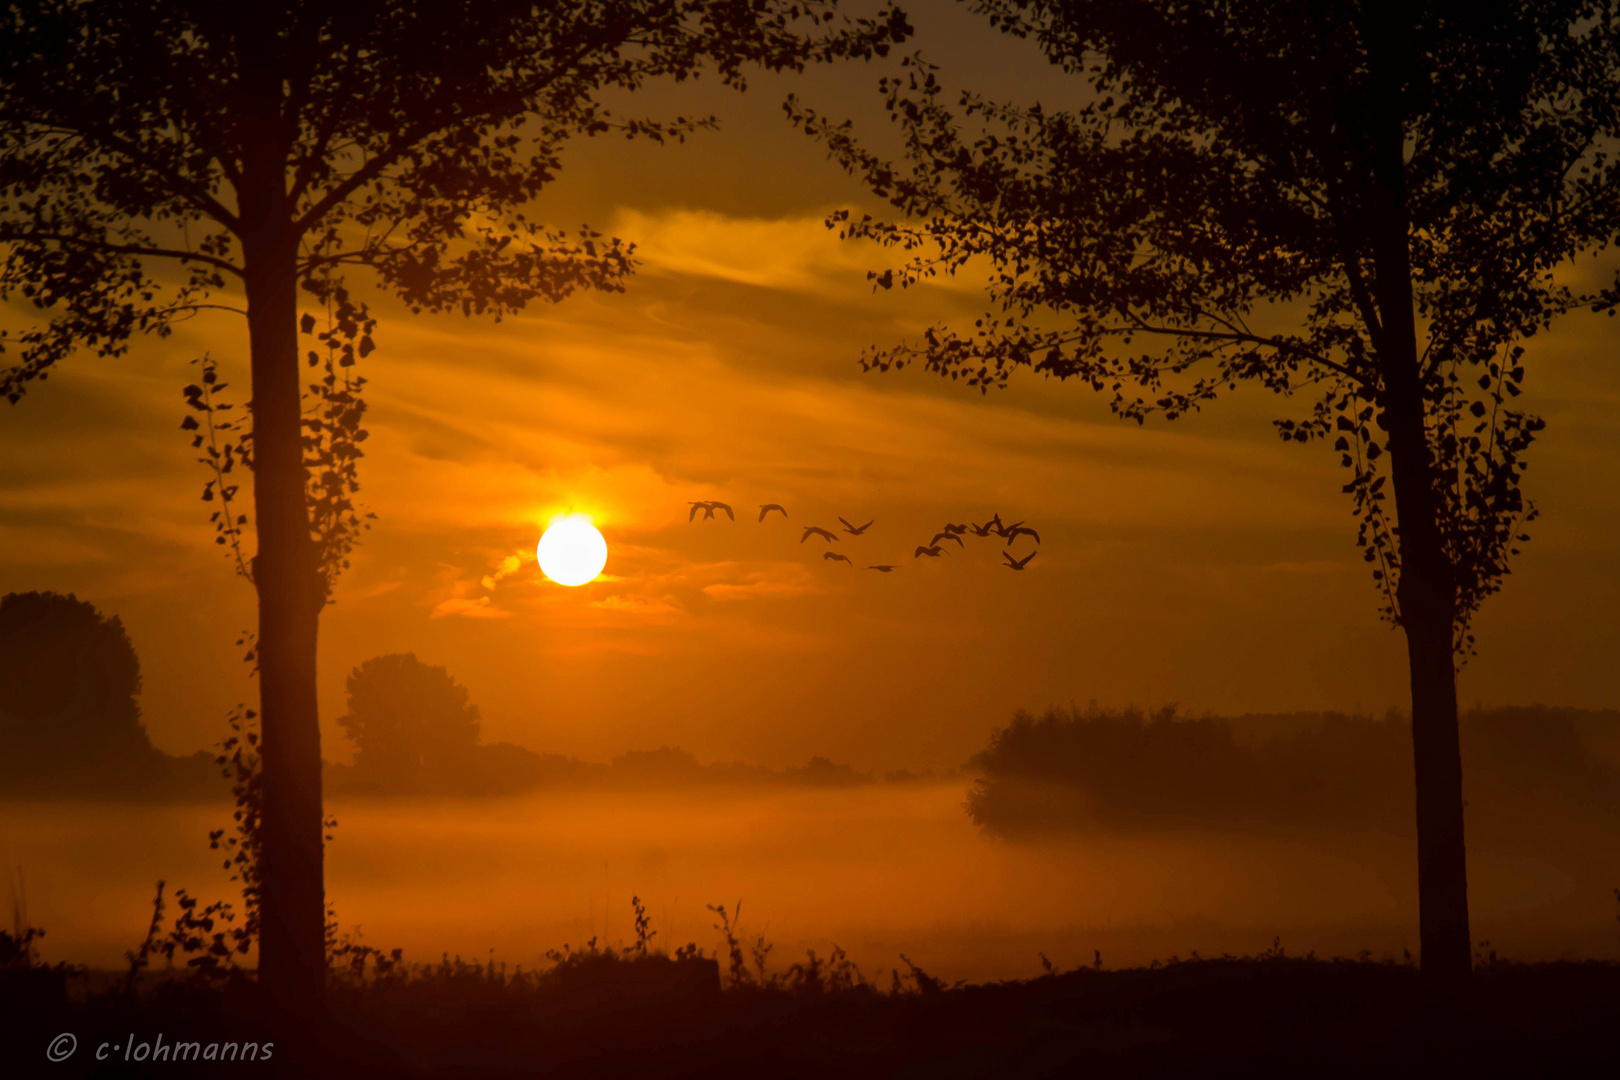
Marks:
<point>124,249</point>
<point>1279,344</point>
<point>357,179</point>
<point>199,307</point>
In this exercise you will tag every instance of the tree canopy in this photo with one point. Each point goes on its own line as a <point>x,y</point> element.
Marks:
<point>1206,217</point>
<point>414,137</point>
<point>413,725</point>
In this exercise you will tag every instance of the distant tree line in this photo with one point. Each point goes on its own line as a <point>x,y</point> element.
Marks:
<point>70,726</point>
<point>1074,768</point>
<point>417,732</point>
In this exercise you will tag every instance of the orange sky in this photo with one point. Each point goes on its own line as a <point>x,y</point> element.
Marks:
<point>1202,561</point>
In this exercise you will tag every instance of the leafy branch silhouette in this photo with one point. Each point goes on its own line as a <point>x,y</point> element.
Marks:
<point>221,456</point>
<point>333,414</point>
<point>332,425</point>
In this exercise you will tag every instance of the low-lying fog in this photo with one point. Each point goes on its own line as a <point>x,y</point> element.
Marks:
<point>879,870</point>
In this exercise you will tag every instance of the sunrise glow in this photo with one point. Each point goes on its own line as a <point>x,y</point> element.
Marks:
<point>980,687</point>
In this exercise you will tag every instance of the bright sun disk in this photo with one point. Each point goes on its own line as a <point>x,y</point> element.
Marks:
<point>572,551</point>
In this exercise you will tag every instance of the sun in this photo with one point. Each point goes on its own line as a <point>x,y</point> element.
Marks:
<point>572,551</point>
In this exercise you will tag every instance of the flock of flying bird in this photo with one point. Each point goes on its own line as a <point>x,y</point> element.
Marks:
<point>950,532</point>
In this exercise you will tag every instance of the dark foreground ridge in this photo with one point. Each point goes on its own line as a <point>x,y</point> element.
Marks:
<point>599,1014</point>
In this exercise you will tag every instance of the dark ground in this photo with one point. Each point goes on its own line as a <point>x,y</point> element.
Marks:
<point>606,1017</point>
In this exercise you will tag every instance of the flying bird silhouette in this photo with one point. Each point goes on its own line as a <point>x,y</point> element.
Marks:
<point>883,568</point>
<point>954,530</point>
<point>817,530</point>
<point>708,509</point>
<point>765,508</point>
<point>1017,564</point>
<point>932,552</point>
<point>1006,530</point>
<point>855,530</point>
<point>947,536</point>
<point>986,529</point>
<point>1021,530</point>
<point>838,557</point>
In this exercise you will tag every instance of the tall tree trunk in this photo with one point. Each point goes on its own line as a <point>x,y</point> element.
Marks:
<point>292,914</point>
<point>1426,594</point>
<point>1427,598</point>
<point>1437,765</point>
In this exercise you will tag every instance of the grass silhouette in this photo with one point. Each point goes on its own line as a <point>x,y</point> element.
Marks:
<point>600,1010</point>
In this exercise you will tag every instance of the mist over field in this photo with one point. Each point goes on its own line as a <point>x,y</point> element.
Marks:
<point>1136,835</point>
<point>879,869</point>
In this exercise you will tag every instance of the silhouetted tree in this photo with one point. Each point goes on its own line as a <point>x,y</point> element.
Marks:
<point>412,725</point>
<point>1365,204</point>
<point>68,682</point>
<point>156,153</point>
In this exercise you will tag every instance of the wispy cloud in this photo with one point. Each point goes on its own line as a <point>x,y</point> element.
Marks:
<point>793,254</point>
<point>508,566</point>
<point>796,253</point>
<point>468,608</point>
<point>778,581</point>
